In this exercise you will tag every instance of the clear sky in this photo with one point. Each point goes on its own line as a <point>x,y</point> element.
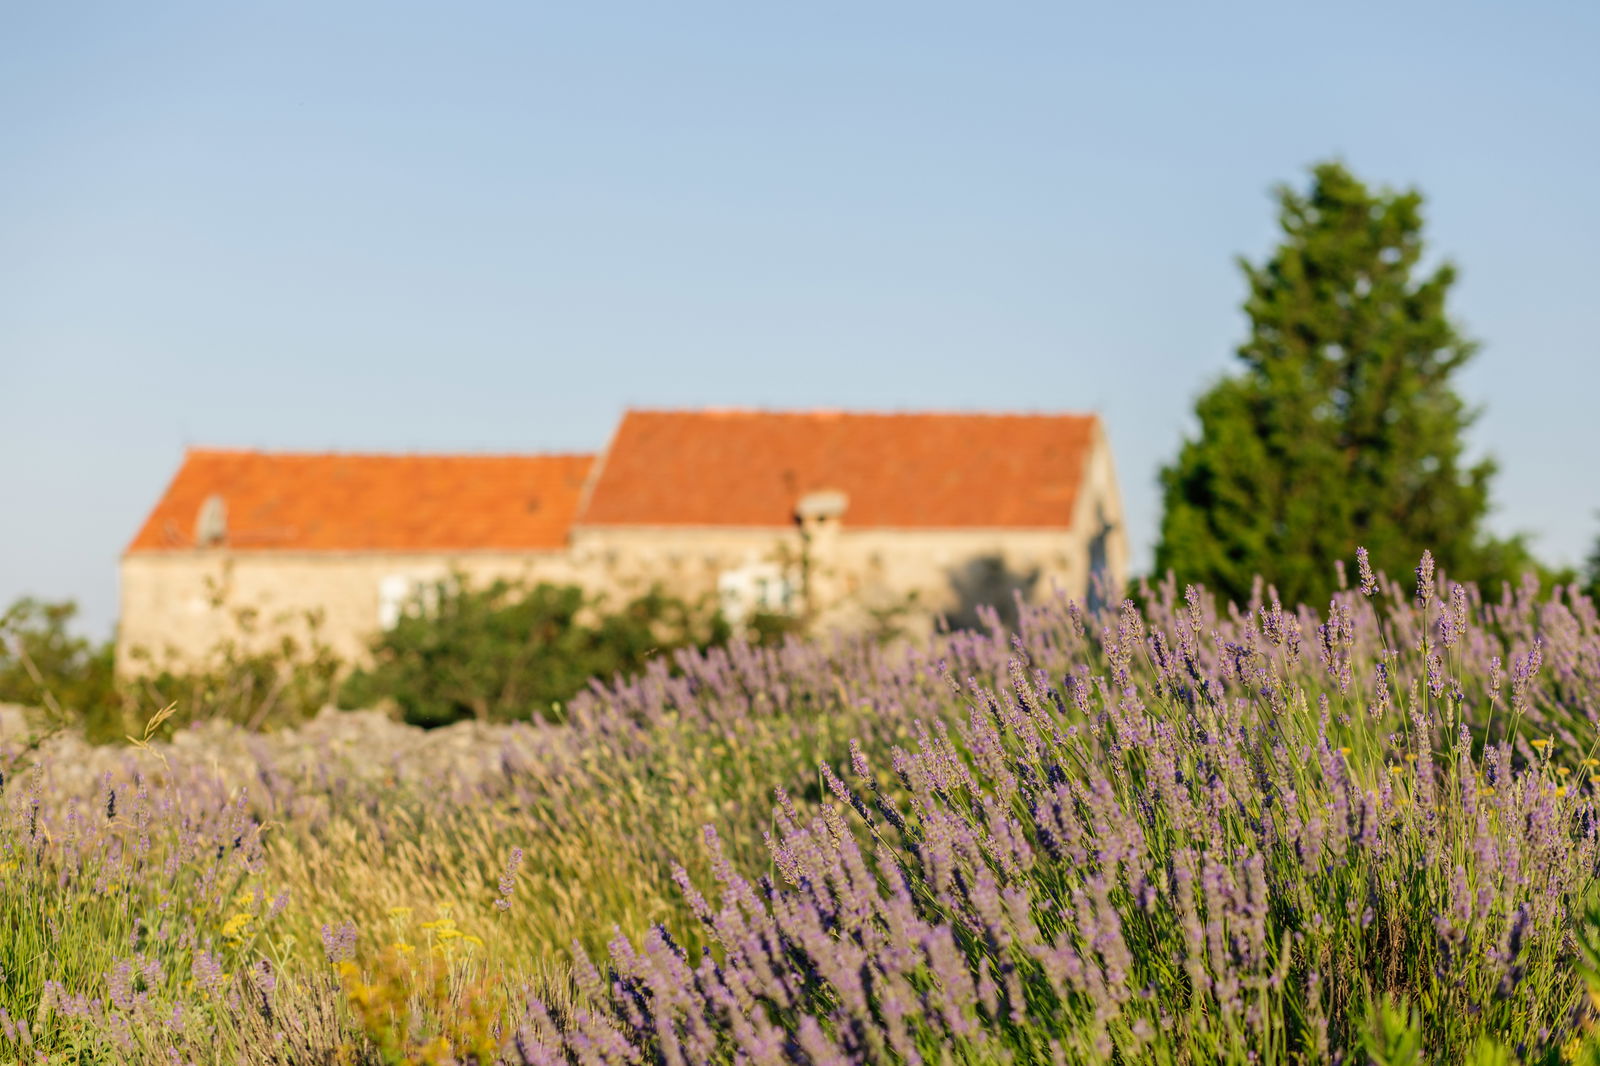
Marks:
<point>492,227</point>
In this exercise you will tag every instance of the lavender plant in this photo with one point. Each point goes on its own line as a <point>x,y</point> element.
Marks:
<point>1211,852</point>
<point>1189,833</point>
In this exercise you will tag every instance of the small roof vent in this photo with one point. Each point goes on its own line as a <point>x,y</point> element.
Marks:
<point>211,524</point>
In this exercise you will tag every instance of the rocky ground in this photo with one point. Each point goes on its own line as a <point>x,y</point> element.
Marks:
<point>364,746</point>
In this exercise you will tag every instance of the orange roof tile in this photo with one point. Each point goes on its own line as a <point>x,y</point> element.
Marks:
<point>334,502</point>
<point>905,471</point>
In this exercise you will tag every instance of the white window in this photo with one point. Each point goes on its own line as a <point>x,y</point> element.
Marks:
<point>754,588</point>
<point>399,594</point>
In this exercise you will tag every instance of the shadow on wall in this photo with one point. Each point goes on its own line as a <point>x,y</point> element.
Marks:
<point>986,581</point>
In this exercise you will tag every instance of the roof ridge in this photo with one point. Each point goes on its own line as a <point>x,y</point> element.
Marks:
<point>834,412</point>
<point>279,453</point>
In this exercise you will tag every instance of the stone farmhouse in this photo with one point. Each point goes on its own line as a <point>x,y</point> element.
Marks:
<point>834,515</point>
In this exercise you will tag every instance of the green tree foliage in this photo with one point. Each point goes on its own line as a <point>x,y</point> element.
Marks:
<point>1342,427</point>
<point>506,651</point>
<point>71,681</point>
<point>259,685</point>
<point>44,665</point>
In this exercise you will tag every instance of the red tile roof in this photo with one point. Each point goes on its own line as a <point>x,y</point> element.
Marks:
<point>906,471</point>
<point>323,502</point>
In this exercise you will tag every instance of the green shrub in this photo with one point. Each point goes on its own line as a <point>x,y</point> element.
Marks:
<point>266,688</point>
<point>44,665</point>
<point>73,681</point>
<point>507,651</point>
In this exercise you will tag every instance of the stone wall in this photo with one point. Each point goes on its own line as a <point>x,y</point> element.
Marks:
<point>179,606</point>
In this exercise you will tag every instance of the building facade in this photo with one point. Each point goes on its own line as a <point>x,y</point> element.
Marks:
<point>840,518</point>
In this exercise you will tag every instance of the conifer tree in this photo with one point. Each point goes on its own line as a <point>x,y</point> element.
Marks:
<point>1342,427</point>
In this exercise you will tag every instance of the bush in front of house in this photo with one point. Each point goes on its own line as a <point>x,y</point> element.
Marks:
<point>67,680</point>
<point>45,665</point>
<point>500,652</point>
<point>508,651</point>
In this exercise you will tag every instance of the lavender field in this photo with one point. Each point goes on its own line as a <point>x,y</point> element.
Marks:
<point>1182,834</point>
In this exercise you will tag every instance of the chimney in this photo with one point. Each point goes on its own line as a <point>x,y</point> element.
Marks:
<point>818,515</point>
<point>815,509</point>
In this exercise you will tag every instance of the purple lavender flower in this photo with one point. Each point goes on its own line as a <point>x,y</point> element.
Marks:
<point>1425,580</point>
<point>508,879</point>
<point>339,942</point>
<point>1368,582</point>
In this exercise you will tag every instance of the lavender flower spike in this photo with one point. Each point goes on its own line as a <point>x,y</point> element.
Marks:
<point>1369,583</point>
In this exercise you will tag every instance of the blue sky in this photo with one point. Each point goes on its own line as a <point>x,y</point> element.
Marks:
<point>492,227</point>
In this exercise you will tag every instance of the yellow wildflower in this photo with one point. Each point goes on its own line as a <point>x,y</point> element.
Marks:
<point>1486,791</point>
<point>1344,751</point>
<point>1411,756</point>
<point>404,949</point>
<point>1561,791</point>
<point>447,934</point>
<point>247,897</point>
<point>1540,743</point>
<point>1591,762</point>
<point>399,912</point>
<point>234,926</point>
<point>476,941</point>
<point>1562,771</point>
